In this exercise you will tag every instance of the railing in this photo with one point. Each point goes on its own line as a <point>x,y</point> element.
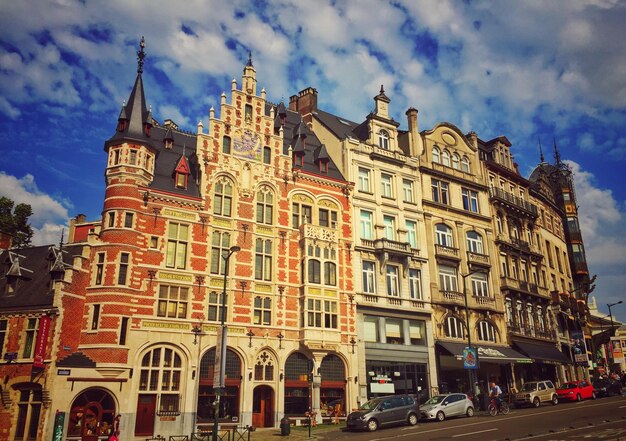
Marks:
<point>454,172</point>
<point>477,258</point>
<point>310,231</point>
<point>441,250</point>
<point>527,331</point>
<point>390,155</point>
<point>485,301</point>
<point>452,295</point>
<point>392,246</point>
<point>516,201</point>
<point>393,301</point>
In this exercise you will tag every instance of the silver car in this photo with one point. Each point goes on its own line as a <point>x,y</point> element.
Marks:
<point>441,407</point>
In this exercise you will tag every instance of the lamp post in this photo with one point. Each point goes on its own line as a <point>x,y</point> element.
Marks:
<point>610,305</point>
<point>470,372</point>
<point>220,362</point>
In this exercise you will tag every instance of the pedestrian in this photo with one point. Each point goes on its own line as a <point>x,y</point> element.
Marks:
<point>115,432</point>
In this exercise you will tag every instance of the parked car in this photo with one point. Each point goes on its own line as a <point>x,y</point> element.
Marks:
<point>533,393</point>
<point>441,407</point>
<point>606,387</point>
<point>576,391</point>
<point>384,411</point>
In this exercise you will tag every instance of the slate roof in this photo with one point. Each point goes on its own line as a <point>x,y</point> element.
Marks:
<point>34,276</point>
<point>313,149</point>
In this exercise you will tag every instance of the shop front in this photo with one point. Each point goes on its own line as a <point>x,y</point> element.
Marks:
<point>495,363</point>
<point>547,361</point>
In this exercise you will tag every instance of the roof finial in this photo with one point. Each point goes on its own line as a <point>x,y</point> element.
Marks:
<point>141,55</point>
<point>249,59</point>
<point>557,155</point>
<point>382,89</point>
<point>540,150</point>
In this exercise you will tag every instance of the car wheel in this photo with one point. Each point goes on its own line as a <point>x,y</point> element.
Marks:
<point>579,398</point>
<point>441,416</point>
<point>555,400</point>
<point>593,395</point>
<point>412,419</point>
<point>372,425</point>
<point>536,402</point>
<point>470,412</point>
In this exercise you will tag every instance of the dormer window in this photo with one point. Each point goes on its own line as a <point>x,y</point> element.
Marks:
<point>121,125</point>
<point>168,143</point>
<point>181,180</point>
<point>383,139</point>
<point>298,159</point>
<point>323,165</point>
<point>181,174</point>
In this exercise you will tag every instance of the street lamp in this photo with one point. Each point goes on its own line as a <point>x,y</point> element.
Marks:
<point>470,372</point>
<point>610,305</point>
<point>220,362</point>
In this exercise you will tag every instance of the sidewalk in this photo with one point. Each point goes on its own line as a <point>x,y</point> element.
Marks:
<point>297,433</point>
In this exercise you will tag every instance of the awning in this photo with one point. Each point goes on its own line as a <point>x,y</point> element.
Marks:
<point>542,351</point>
<point>487,354</point>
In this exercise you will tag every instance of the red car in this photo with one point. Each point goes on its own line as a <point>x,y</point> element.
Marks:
<point>576,391</point>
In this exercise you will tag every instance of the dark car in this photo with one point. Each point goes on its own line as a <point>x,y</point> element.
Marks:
<point>384,411</point>
<point>605,387</point>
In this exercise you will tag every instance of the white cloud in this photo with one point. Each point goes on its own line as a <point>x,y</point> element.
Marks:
<point>49,216</point>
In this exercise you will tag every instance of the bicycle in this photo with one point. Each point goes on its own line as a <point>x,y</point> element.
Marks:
<point>494,410</point>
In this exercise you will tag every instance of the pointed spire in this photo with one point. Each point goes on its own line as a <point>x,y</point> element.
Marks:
<point>557,155</point>
<point>141,55</point>
<point>249,63</point>
<point>540,151</point>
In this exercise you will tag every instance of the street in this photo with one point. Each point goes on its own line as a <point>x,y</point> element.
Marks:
<point>602,419</point>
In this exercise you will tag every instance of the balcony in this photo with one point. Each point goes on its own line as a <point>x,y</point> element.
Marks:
<point>581,268</point>
<point>454,297</point>
<point>481,259</point>
<point>389,246</point>
<point>447,252</point>
<point>527,331</point>
<point>377,153</point>
<point>515,202</point>
<point>484,301</point>
<point>392,302</point>
<point>523,286</point>
<point>310,231</point>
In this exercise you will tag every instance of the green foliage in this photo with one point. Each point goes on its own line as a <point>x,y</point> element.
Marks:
<point>14,221</point>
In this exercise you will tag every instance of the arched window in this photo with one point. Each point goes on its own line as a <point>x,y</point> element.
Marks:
<point>330,274</point>
<point>445,158</point>
<point>487,332</point>
<point>541,324</point>
<point>474,242</point>
<point>226,145</point>
<point>264,367</point>
<point>444,235</point>
<point>436,155</point>
<point>223,199</point>
<point>465,164</point>
<point>455,327</point>
<point>229,400</point>
<point>456,161</point>
<point>265,206</point>
<point>161,370</point>
<point>383,139</point>
<point>92,409</point>
<point>499,223</point>
<point>297,369</point>
<point>530,318</point>
<point>267,155</point>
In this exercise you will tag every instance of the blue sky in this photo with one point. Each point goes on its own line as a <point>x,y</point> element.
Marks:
<point>528,70</point>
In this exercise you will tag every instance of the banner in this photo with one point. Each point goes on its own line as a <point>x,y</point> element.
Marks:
<point>220,362</point>
<point>59,422</point>
<point>42,341</point>
<point>579,348</point>
<point>470,358</point>
<point>617,349</point>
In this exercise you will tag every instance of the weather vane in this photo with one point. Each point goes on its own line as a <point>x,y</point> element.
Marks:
<point>141,55</point>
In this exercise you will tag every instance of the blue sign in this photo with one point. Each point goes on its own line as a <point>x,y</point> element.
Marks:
<point>470,358</point>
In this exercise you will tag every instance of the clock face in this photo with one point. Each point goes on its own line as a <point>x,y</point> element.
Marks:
<point>247,144</point>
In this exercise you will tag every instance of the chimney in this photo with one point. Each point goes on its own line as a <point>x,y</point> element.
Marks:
<point>416,147</point>
<point>305,103</point>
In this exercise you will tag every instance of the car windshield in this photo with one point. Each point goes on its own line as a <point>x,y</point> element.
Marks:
<point>436,399</point>
<point>529,387</point>
<point>371,404</point>
<point>569,386</point>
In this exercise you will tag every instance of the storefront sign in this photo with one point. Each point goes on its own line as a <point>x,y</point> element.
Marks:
<point>42,341</point>
<point>64,372</point>
<point>579,349</point>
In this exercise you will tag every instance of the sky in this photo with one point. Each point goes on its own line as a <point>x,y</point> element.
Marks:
<point>538,72</point>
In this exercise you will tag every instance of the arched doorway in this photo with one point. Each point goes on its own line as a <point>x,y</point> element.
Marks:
<point>91,415</point>
<point>297,384</point>
<point>333,386</point>
<point>263,406</point>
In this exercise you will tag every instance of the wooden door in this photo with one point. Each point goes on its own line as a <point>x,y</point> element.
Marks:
<point>146,410</point>
<point>263,407</point>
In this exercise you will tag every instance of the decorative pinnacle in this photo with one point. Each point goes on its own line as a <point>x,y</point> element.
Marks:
<point>141,55</point>
<point>249,58</point>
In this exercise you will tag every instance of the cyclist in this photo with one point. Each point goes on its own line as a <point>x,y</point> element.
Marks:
<point>496,393</point>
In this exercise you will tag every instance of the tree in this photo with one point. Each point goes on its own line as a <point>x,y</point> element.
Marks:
<point>14,221</point>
